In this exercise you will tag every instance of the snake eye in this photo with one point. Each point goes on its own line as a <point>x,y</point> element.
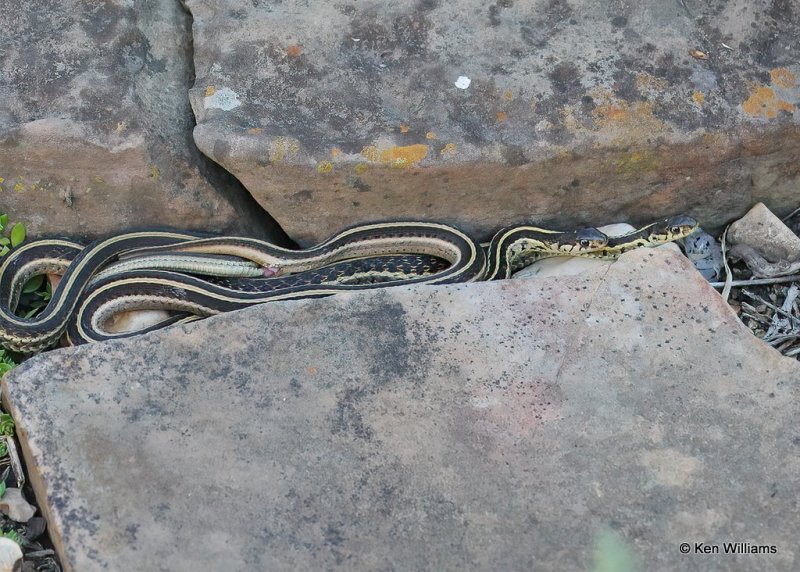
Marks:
<point>675,230</point>
<point>584,243</point>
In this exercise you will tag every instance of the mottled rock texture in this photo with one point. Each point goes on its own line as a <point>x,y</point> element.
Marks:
<point>95,122</point>
<point>577,112</point>
<point>496,426</point>
<point>762,230</point>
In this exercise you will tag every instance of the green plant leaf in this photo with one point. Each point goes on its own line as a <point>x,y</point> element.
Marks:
<point>33,284</point>
<point>31,313</point>
<point>15,536</point>
<point>5,241</point>
<point>3,478</point>
<point>45,293</point>
<point>3,222</point>
<point>6,424</point>
<point>17,234</point>
<point>3,449</point>
<point>5,250</point>
<point>6,363</point>
<point>35,307</point>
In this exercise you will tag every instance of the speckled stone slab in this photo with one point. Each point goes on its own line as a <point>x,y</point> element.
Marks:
<point>486,113</point>
<point>95,122</point>
<point>497,426</point>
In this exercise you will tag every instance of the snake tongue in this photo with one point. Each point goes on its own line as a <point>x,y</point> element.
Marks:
<point>270,271</point>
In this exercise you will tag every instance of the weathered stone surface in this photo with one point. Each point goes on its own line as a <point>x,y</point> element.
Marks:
<point>577,112</point>
<point>95,123</point>
<point>762,230</point>
<point>494,426</point>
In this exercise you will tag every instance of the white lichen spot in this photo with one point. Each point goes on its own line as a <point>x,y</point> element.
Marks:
<point>463,82</point>
<point>224,99</point>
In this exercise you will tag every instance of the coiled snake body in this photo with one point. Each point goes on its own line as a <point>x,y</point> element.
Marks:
<point>195,277</point>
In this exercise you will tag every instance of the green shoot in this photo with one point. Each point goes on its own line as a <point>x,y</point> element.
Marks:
<point>15,536</point>
<point>3,481</point>
<point>17,234</point>
<point>6,425</point>
<point>6,363</point>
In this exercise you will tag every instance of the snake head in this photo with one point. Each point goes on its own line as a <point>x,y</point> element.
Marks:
<point>674,228</point>
<point>587,240</point>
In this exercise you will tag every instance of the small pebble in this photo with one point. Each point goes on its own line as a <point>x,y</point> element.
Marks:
<point>10,554</point>
<point>14,505</point>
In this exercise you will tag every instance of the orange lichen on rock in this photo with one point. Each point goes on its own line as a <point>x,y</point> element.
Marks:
<point>630,122</point>
<point>401,157</point>
<point>783,78</point>
<point>335,152</point>
<point>403,128</point>
<point>449,149</point>
<point>324,167</point>
<point>430,135</point>
<point>763,103</point>
<point>610,112</point>
<point>501,116</point>
<point>698,97</point>
<point>371,153</point>
<point>210,90</point>
<point>404,156</point>
<point>283,148</point>
<point>294,50</point>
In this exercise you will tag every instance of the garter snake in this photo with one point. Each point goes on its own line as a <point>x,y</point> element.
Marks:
<point>154,267</point>
<point>193,296</point>
<point>653,234</point>
<point>465,259</point>
<point>38,257</point>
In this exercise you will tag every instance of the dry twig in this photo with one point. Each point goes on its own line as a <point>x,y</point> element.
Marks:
<point>771,306</point>
<point>726,290</point>
<point>758,281</point>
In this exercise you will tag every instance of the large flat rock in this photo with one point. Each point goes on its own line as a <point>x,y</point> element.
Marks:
<point>95,122</point>
<point>496,426</point>
<point>576,112</point>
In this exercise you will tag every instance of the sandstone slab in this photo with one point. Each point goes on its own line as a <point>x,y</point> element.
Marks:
<point>487,113</point>
<point>95,123</point>
<point>495,426</point>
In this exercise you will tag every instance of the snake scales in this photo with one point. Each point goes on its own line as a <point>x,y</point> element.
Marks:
<point>195,277</point>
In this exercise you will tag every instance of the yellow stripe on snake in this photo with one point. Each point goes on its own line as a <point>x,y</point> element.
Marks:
<point>196,277</point>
